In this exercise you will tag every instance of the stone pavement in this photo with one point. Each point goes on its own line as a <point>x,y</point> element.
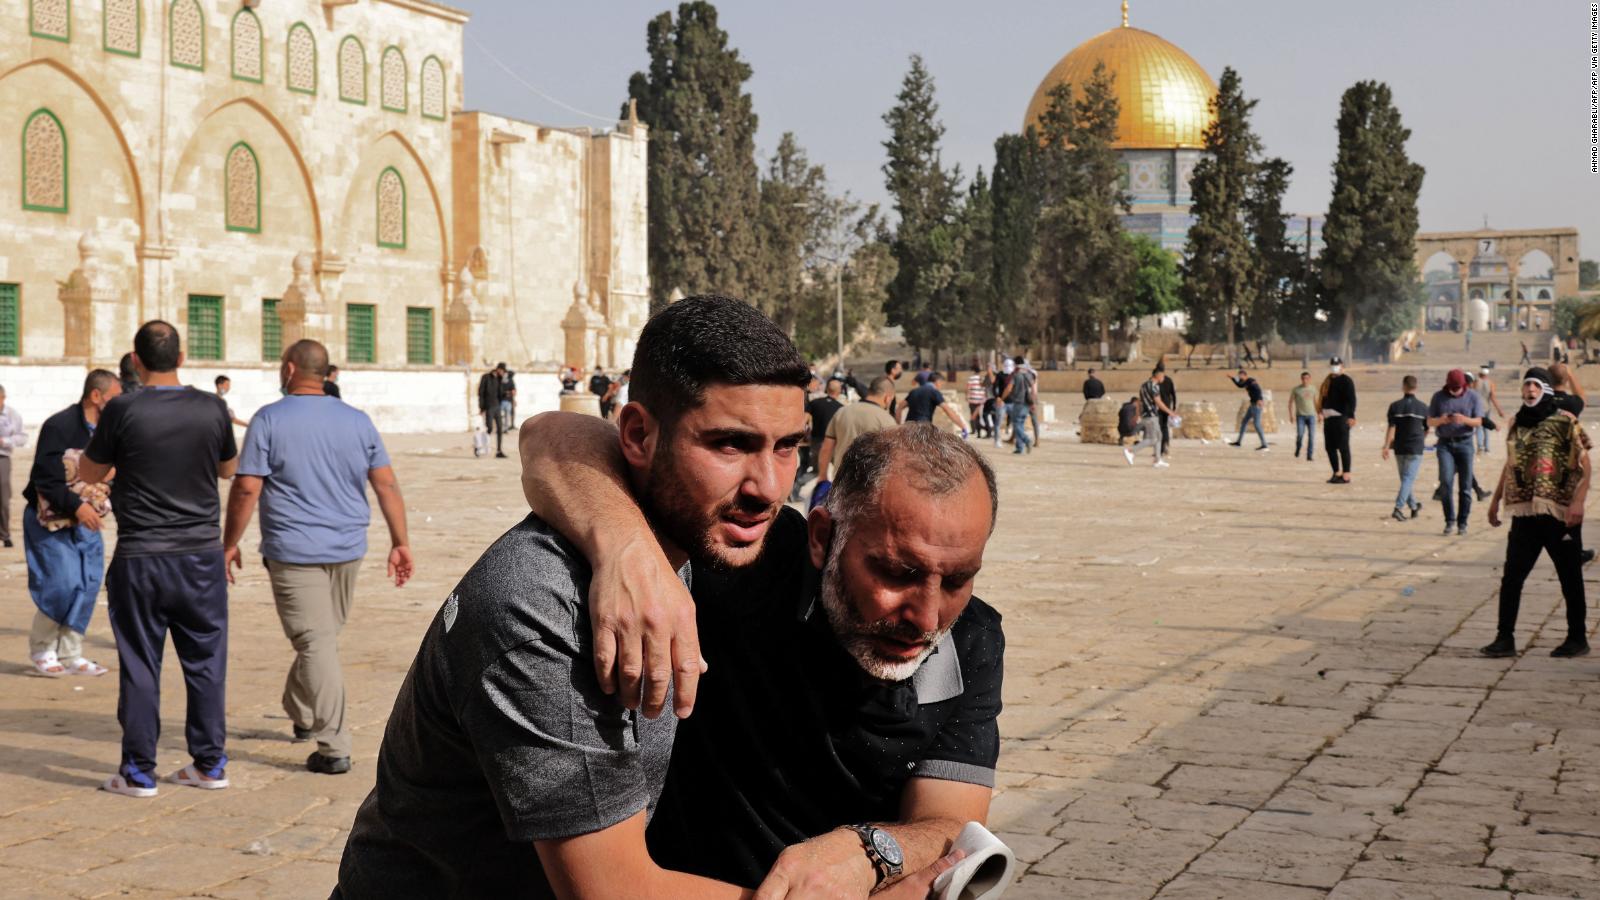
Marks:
<point>1225,679</point>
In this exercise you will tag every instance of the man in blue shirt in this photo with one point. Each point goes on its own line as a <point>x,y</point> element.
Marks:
<point>309,458</point>
<point>1455,414</point>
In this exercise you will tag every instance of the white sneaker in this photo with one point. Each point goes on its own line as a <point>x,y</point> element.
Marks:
<point>1162,464</point>
<point>1128,455</point>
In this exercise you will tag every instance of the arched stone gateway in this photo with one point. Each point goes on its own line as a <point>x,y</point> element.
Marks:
<point>1506,250</point>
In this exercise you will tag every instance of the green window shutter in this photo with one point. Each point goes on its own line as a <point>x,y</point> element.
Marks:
<point>205,327</point>
<point>271,332</point>
<point>360,333</point>
<point>10,321</point>
<point>419,335</point>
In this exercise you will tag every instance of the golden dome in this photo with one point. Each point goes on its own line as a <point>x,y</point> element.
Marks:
<point>1164,95</point>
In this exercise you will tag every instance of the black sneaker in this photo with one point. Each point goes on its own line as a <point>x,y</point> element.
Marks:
<point>1570,648</point>
<point>8,544</point>
<point>301,735</point>
<point>1586,556</point>
<point>1234,444</point>
<point>1502,647</point>
<point>1415,509</point>
<point>499,456</point>
<point>1448,528</point>
<point>1482,494</point>
<point>328,765</point>
<point>1398,515</point>
<point>1461,531</point>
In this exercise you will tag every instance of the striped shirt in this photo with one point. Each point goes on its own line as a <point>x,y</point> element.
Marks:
<point>975,392</point>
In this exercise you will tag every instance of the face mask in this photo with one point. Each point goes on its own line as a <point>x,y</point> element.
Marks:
<point>1338,369</point>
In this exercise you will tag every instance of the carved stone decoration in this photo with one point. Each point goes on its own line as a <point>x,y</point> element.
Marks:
<point>478,262</point>
<point>391,209</point>
<point>247,46</point>
<point>122,26</point>
<point>188,34</point>
<point>392,75</point>
<point>352,71</point>
<point>52,18</point>
<point>584,327</point>
<point>45,159</point>
<point>464,322</point>
<point>92,305</point>
<point>300,311</point>
<point>244,190</point>
<point>302,55</point>
<point>433,89</point>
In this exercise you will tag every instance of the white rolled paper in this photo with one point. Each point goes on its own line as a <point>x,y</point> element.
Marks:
<point>984,873</point>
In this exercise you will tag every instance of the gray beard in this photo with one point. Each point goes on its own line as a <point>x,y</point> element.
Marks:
<point>856,636</point>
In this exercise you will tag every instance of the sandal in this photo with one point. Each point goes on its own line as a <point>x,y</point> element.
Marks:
<point>189,776</point>
<point>84,666</point>
<point>48,665</point>
<point>118,784</point>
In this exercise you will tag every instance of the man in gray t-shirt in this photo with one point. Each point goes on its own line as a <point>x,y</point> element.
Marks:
<point>501,734</point>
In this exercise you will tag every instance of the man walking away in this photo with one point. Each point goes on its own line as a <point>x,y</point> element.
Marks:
<point>600,385</point>
<point>491,389</point>
<point>61,534</point>
<point>1484,385</point>
<point>1543,487</point>
<point>1336,404</point>
<point>308,458</point>
<point>224,385</point>
<point>1002,381</point>
<point>1252,413</point>
<point>169,444</point>
<point>819,413</point>
<point>1169,399</point>
<point>975,398</point>
<point>1303,411</point>
<point>12,436</point>
<point>869,414</point>
<point>1527,357</point>
<point>1455,414</point>
<point>1150,432</point>
<point>1018,398</point>
<point>1408,428</point>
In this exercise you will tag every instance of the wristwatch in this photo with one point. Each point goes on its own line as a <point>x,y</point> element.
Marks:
<point>883,851</point>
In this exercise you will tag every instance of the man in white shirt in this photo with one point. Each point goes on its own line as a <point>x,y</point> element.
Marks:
<point>12,436</point>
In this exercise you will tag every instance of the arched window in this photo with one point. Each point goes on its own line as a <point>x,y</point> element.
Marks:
<point>1544,294</point>
<point>393,77</point>
<point>44,163</point>
<point>248,47</point>
<point>302,59</point>
<point>433,88</point>
<point>186,25</point>
<point>352,71</point>
<point>391,209</point>
<point>241,189</point>
<point>123,25</point>
<point>50,19</point>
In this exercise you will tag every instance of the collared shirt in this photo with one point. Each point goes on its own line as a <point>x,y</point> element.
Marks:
<point>860,417</point>
<point>790,738</point>
<point>12,434</point>
<point>1469,404</point>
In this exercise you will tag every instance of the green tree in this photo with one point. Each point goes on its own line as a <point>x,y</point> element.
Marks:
<point>702,182</point>
<point>1221,271</point>
<point>1014,197</point>
<point>1588,274</point>
<point>978,312</point>
<point>1085,266</point>
<point>927,241</point>
<point>1369,283</point>
<point>1156,280</point>
<point>1280,268</point>
<point>794,208</point>
<point>854,246</point>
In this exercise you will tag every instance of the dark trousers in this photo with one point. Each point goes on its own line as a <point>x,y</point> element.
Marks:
<point>5,498</point>
<point>186,593</point>
<point>1529,535</point>
<point>1166,433</point>
<point>1336,442</point>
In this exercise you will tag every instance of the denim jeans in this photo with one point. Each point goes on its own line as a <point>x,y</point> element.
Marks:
<point>1409,465</point>
<point>1019,425</point>
<point>1483,439</point>
<point>1252,414</point>
<point>1455,462</point>
<point>1308,426</point>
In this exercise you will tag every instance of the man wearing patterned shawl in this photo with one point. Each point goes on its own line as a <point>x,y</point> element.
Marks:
<point>1543,488</point>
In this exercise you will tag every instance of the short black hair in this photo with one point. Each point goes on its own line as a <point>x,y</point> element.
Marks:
<point>157,346</point>
<point>129,373</point>
<point>97,380</point>
<point>889,366</point>
<point>332,368</point>
<point>704,340</point>
<point>221,378</point>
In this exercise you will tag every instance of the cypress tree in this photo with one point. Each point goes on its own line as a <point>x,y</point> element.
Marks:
<point>702,181</point>
<point>1279,265</point>
<point>794,203</point>
<point>1368,274</point>
<point>1014,196</point>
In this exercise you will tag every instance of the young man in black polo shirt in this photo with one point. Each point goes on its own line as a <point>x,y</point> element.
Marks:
<point>854,679</point>
<point>169,444</point>
<point>1408,428</point>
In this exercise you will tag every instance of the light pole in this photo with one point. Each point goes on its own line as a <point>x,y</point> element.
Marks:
<point>838,307</point>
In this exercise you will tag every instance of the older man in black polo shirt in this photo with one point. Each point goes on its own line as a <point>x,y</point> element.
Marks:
<point>850,710</point>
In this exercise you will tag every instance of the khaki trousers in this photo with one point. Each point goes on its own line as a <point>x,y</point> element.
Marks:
<point>313,604</point>
<point>47,635</point>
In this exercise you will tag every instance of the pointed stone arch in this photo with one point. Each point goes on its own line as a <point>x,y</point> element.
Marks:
<point>289,142</point>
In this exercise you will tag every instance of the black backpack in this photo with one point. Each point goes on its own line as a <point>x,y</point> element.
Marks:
<point>1128,419</point>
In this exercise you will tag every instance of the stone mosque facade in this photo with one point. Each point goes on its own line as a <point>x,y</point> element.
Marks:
<point>257,171</point>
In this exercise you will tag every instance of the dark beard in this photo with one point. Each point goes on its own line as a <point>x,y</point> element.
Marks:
<point>689,528</point>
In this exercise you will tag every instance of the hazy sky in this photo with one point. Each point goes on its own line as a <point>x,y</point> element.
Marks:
<point>1498,102</point>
